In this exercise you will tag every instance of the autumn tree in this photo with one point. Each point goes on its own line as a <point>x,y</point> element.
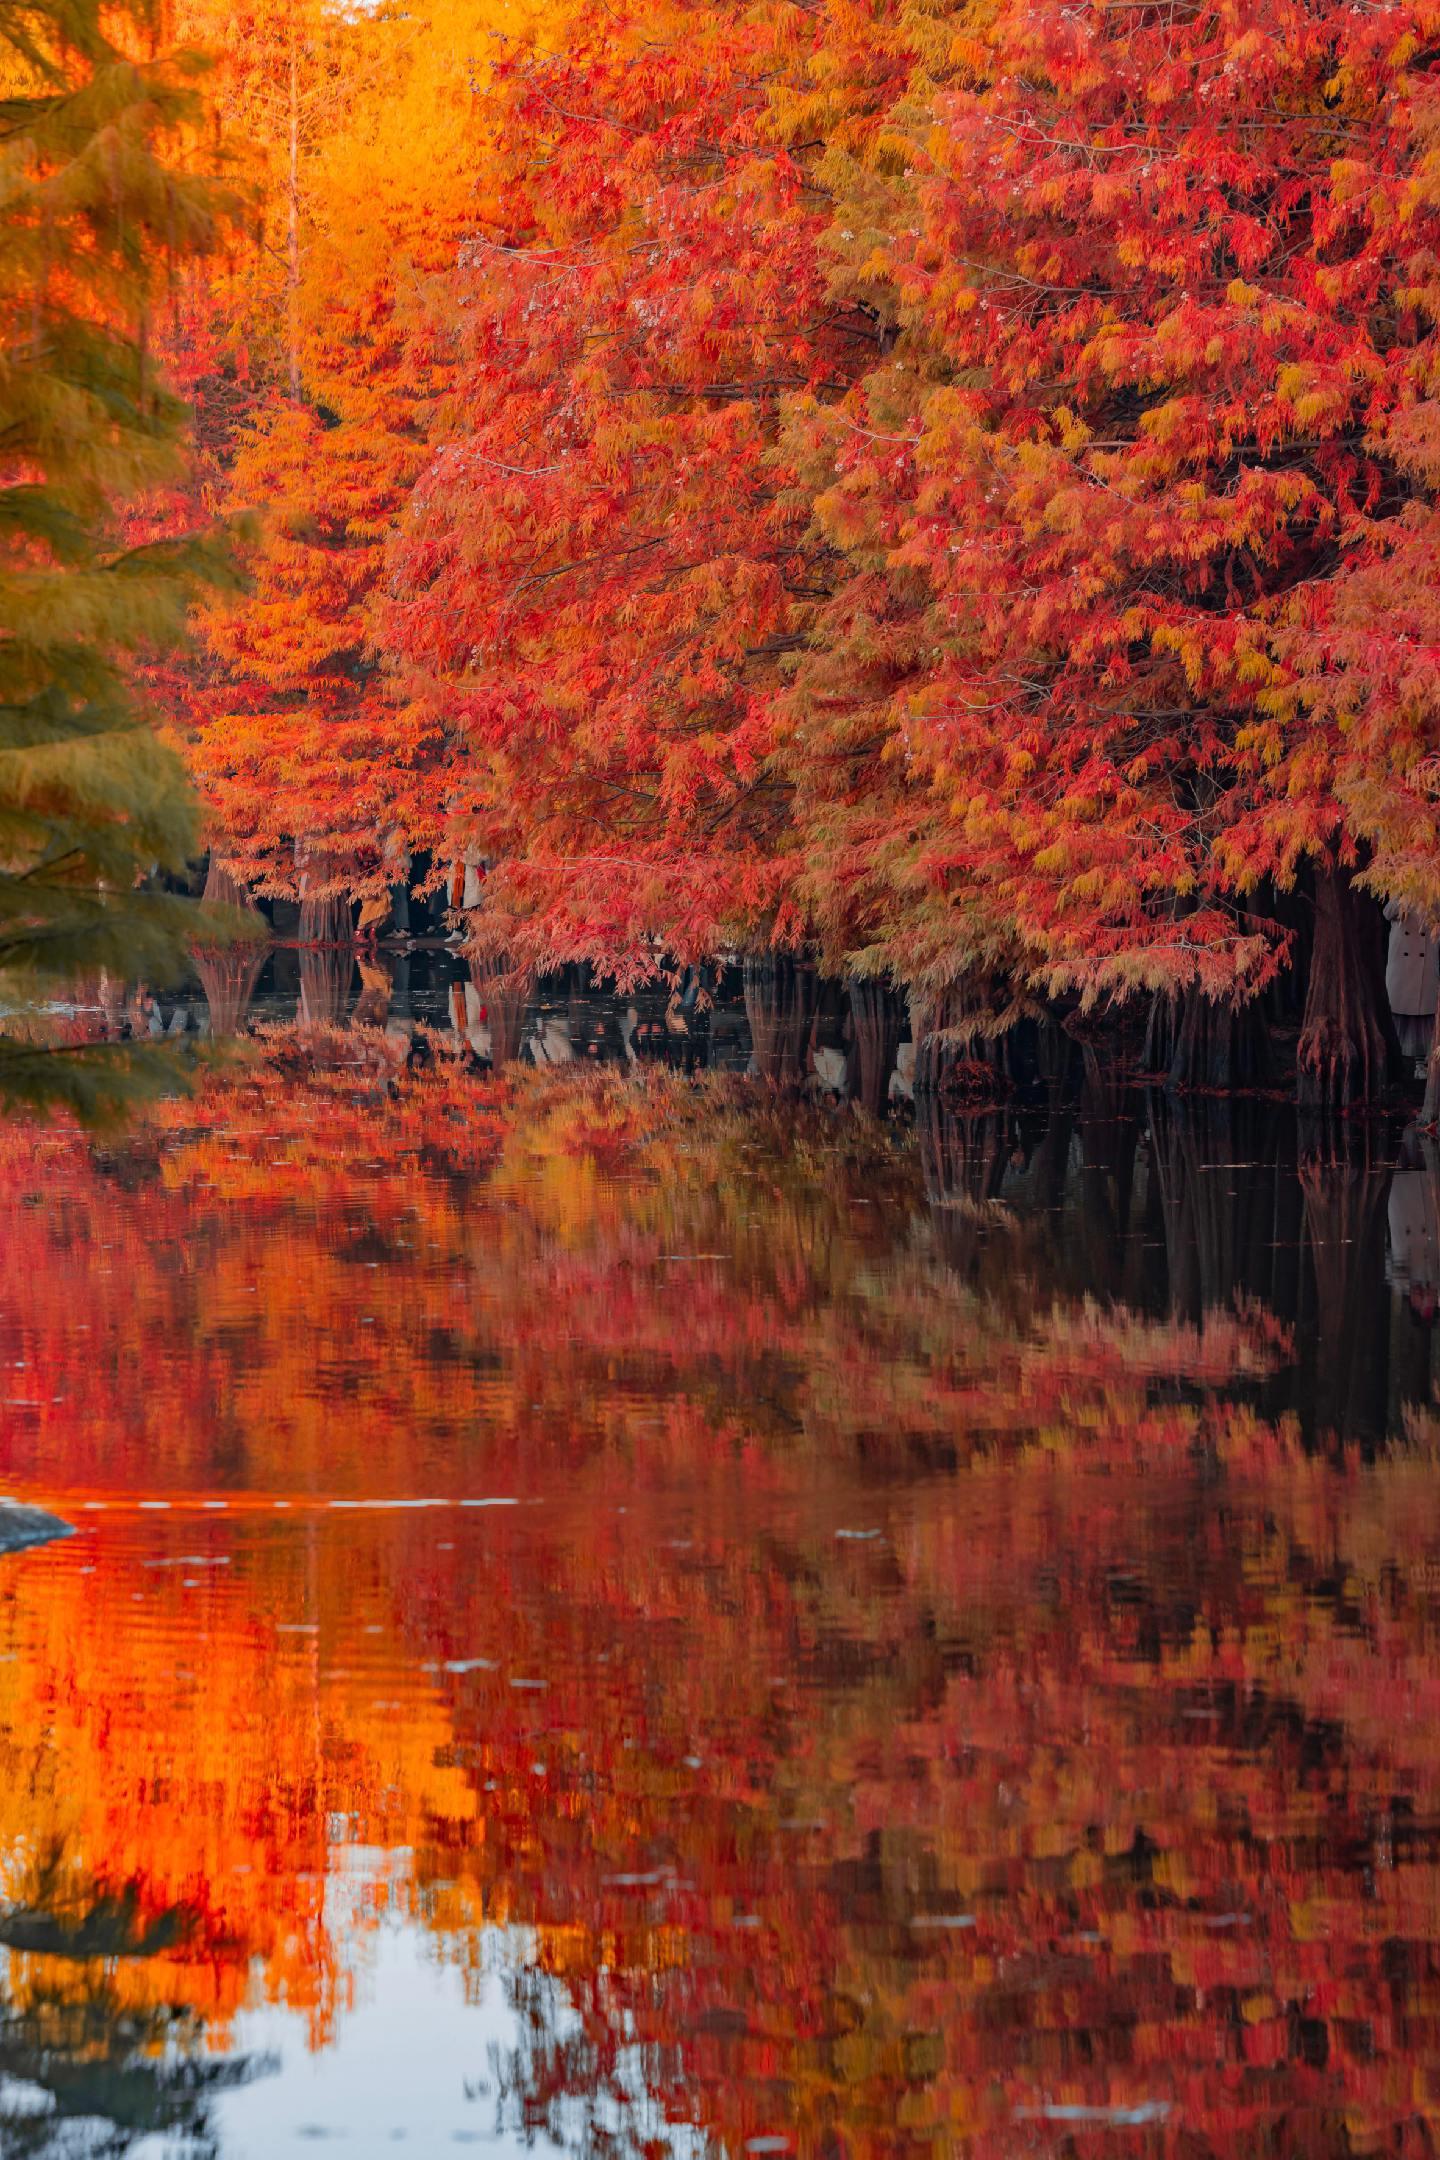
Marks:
<point>1355,652</point>
<point>1165,278</point>
<point>940,490</point>
<point>321,780</point>
<point>607,564</point>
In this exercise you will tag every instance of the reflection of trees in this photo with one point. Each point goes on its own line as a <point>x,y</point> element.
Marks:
<point>85,2070</point>
<point>1110,1218</point>
<point>1053,1237</point>
<point>326,972</point>
<point>963,1162</point>
<point>504,992</point>
<point>1039,1846</point>
<point>97,2080</point>
<point>578,2081</point>
<point>1413,1264</point>
<point>1230,1204</point>
<point>228,975</point>
<point>1248,1218</point>
<point>952,1696</point>
<point>1343,1337</point>
<point>1064,1190</point>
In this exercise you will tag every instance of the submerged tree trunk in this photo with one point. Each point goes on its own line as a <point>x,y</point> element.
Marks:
<point>228,973</point>
<point>780,999</point>
<point>325,975</point>
<point>958,1051</point>
<point>1219,1047</point>
<point>500,995</point>
<point>1348,1048</point>
<point>878,1023</point>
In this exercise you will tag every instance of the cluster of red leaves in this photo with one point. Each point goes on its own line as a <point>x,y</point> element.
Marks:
<point>609,558</point>
<point>946,485</point>
<point>917,484</point>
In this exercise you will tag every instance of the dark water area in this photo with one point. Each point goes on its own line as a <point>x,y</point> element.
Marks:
<point>611,1615</point>
<point>557,1019</point>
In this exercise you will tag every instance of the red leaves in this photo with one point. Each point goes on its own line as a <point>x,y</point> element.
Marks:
<point>1139,247</point>
<point>948,492</point>
<point>607,564</point>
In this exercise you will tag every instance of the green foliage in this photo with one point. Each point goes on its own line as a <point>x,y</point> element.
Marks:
<point>99,203</point>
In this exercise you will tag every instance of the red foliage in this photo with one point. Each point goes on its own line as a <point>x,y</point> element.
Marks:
<point>607,559</point>
<point>946,487</point>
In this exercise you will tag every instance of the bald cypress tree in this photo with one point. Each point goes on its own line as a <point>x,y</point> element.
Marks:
<point>101,203</point>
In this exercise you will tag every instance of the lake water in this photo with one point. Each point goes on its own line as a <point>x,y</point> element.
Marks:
<point>616,1617</point>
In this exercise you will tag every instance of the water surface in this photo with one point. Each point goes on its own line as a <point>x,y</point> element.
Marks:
<point>614,1617</point>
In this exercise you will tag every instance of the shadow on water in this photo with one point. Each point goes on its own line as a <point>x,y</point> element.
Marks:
<point>1190,1209</point>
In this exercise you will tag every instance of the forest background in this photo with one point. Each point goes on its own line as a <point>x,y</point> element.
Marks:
<point>945,494</point>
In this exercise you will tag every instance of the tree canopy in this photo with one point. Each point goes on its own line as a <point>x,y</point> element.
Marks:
<point>103,198</point>
<point>940,488</point>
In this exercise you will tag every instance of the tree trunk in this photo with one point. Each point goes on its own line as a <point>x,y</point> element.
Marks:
<point>325,919</point>
<point>1348,1048</point>
<point>326,916</point>
<point>1219,1047</point>
<point>780,996</point>
<point>1161,1034</point>
<point>223,888</point>
<point>956,1055</point>
<point>878,1021</point>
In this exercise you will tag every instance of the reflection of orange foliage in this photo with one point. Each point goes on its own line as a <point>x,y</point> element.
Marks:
<point>142,1662</point>
<point>898,1705</point>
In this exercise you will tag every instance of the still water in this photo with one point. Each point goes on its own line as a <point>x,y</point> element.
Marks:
<point>611,1616</point>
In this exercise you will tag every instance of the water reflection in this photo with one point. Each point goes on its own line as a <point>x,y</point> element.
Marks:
<point>776,1022</point>
<point>86,2067</point>
<point>729,1625</point>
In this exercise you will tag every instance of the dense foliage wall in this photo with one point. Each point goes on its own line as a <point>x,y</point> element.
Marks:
<point>944,489</point>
